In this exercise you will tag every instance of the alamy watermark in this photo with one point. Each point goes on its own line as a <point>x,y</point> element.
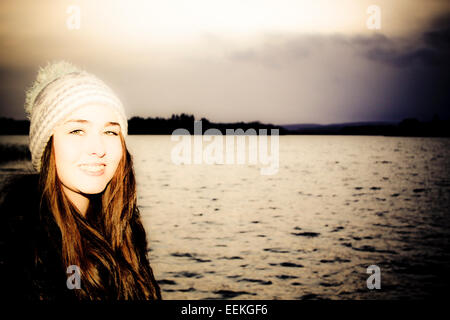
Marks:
<point>74,278</point>
<point>228,149</point>
<point>374,20</point>
<point>73,21</point>
<point>374,281</point>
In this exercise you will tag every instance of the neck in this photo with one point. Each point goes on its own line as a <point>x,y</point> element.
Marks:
<point>80,201</point>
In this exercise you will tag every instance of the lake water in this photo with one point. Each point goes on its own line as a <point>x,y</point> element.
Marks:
<point>337,205</point>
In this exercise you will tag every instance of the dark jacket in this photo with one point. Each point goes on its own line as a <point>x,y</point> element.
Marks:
<point>30,246</point>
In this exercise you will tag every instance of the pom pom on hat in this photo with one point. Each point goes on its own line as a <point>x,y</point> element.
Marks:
<point>46,75</point>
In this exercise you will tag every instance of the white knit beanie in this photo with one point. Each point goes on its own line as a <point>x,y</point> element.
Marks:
<point>60,89</point>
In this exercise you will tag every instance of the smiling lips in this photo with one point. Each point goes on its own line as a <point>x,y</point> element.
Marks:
<point>93,169</point>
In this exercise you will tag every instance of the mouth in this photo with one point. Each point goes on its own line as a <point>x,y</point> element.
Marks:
<point>93,169</point>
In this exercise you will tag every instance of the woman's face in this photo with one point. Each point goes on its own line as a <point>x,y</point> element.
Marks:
<point>87,149</point>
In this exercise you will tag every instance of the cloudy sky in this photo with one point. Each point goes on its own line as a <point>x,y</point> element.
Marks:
<point>278,61</point>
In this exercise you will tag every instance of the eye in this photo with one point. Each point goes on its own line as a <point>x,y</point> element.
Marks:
<point>111,133</point>
<point>77,132</point>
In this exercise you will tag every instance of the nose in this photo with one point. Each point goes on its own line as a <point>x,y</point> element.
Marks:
<point>95,145</point>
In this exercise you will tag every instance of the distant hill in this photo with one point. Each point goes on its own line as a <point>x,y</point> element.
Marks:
<point>309,126</point>
<point>300,126</point>
<point>409,127</point>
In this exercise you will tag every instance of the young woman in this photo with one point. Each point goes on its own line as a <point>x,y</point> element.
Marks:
<point>73,231</point>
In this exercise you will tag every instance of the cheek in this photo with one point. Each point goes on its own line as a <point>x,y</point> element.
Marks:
<point>115,151</point>
<point>66,156</point>
<point>66,152</point>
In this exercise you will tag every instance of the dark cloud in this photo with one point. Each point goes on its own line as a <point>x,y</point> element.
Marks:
<point>432,49</point>
<point>429,49</point>
<point>276,51</point>
<point>421,56</point>
<point>440,21</point>
<point>439,39</point>
<point>423,64</point>
<point>415,69</point>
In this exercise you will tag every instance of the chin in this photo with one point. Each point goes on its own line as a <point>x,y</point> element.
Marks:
<point>93,189</point>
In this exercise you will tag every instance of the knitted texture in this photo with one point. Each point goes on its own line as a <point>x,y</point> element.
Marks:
<point>60,89</point>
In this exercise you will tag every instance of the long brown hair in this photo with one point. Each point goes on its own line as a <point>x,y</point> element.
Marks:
<point>109,243</point>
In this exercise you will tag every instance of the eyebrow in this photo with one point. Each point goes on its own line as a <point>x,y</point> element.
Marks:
<point>107,124</point>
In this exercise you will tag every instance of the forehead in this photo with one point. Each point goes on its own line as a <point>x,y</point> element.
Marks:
<point>94,113</point>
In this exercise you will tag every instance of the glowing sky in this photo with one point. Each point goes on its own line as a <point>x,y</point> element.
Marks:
<point>274,61</point>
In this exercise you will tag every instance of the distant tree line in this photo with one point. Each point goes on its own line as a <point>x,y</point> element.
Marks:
<point>162,126</point>
<point>14,127</point>
<point>138,125</point>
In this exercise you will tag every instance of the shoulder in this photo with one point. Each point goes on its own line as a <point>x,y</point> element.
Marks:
<point>23,187</point>
<point>19,201</point>
<point>28,253</point>
<point>20,180</point>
